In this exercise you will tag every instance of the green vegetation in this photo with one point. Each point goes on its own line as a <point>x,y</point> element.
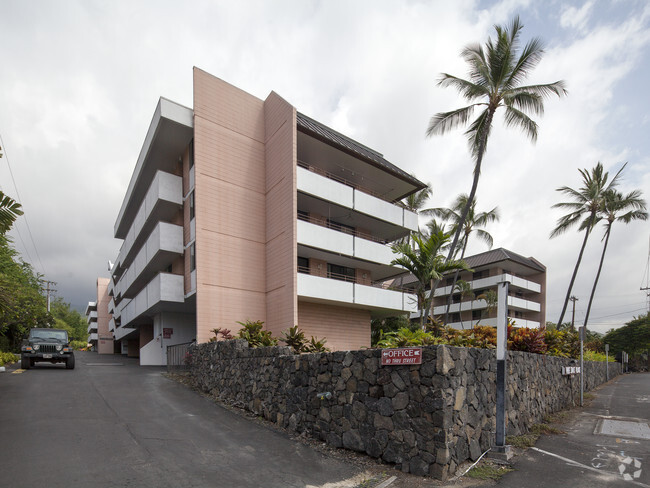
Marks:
<point>525,441</point>
<point>22,305</point>
<point>256,336</point>
<point>496,72</point>
<point>70,320</point>
<point>8,358</point>
<point>488,471</point>
<point>632,338</point>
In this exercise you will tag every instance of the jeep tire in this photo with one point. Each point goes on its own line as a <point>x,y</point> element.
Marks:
<point>25,363</point>
<point>69,363</point>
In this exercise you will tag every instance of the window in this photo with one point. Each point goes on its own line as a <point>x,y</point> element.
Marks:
<point>342,273</point>
<point>455,298</point>
<point>476,314</point>
<point>454,317</point>
<point>192,257</point>
<point>192,214</point>
<point>449,282</point>
<point>479,274</point>
<point>303,265</point>
<point>191,153</point>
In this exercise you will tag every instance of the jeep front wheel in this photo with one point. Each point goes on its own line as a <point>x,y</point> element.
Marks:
<point>24,363</point>
<point>69,363</point>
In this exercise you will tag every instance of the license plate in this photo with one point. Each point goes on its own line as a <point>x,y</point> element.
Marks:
<point>47,356</point>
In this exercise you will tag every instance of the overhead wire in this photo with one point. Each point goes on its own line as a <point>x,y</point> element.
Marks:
<point>19,200</point>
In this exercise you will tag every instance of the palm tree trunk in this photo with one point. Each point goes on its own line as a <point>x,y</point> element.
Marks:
<point>575,270</point>
<point>453,283</point>
<point>600,267</point>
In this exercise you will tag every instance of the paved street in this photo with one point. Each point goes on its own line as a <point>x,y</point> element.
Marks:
<point>606,445</point>
<point>111,423</point>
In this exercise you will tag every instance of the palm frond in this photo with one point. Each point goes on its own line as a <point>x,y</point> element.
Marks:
<point>445,121</point>
<point>467,89</point>
<point>516,118</point>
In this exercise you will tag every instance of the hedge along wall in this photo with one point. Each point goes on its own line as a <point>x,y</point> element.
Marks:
<point>427,418</point>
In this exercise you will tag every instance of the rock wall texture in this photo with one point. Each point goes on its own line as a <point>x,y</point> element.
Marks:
<point>425,418</point>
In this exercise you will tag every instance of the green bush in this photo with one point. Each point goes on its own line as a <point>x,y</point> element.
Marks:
<point>597,356</point>
<point>295,338</point>
<point>8,358</point>
<point>78,345</point>
<point>254,334</point>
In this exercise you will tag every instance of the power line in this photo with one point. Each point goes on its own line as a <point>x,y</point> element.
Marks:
<point>18,199</point>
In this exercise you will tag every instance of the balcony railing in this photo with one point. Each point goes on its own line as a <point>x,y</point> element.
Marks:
<point>327,174</point>
<point>352,279</point>
<point>341,228</point>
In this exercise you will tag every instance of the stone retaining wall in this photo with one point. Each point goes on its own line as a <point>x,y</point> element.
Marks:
<point>425,418</point>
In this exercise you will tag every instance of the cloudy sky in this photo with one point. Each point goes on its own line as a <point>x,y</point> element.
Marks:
<point>80,81</point>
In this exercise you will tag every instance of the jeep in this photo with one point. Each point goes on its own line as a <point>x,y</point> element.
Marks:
<point>48,345</point>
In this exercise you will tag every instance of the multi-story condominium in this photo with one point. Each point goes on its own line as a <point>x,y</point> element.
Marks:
<point>91,317</point>
<point>245,209</point>
<point>99,318</point>
<point>526,291</point>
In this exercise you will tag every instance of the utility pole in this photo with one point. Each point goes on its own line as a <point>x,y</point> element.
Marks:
<point>49,290</point>
<point>573,313</point>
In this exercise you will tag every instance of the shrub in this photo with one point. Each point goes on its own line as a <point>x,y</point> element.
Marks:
<point>78,345</point>
<point>316,345</point>
<point>254,334</point>
<point>295,339</point>
<point>8,358</point>
<point>224,333</point>
<point>588,355</point>
<point>527,340</point>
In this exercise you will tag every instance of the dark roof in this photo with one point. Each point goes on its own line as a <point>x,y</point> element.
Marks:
<point>501,254</point>
<point>324,133</point>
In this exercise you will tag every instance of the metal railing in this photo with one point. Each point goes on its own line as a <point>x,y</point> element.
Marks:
<point>178,357</point>
<point>341,228</point>
<point>383,284</point>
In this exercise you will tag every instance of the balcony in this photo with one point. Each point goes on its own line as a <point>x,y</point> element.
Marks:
<point>163,293</point>
<point>323,289</point>
<point>93,337</point>
<point>163,246</point>
<point>162,202</point>
<point>111,306</point>
<point>513,302</point>
<point>111,325</point>
<point>516,283</point>
<point>92,317</point>
<point>492,322</point>
<point>339,192</point>
<point>92,327</point>
<point>121,332</point>
<point>92,306</point>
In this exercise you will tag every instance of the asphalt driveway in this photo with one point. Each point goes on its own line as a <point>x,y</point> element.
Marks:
<point>112,423</point>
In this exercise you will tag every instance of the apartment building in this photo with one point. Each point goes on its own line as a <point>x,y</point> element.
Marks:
<point>245,209</point>
<point>98,317</point>
<point>526,291</point>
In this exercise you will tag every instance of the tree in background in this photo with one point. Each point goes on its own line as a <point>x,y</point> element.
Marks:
<point>69,319</point>
<point>423,258</point>
<point>23,305</point>
<point>633,337</point>
<point>587,202</point>
<point>614,203</point>
<point>473,223</point>
<point>495,76</point>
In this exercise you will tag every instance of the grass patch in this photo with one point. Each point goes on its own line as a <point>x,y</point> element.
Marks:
<point>523,441</point>
<point>545,429</point>
<point>488,471</point>
<point>557,417</point>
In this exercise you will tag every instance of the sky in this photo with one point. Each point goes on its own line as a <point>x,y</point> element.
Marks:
<point>80,80</point>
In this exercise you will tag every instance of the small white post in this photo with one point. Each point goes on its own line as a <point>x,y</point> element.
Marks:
<point>500,448</point>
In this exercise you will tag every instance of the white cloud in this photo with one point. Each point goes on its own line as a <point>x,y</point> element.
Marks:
<point>576,18</point>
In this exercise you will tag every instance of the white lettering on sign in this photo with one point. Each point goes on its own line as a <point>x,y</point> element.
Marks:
<point>569,370</point>
<point>405,355</point>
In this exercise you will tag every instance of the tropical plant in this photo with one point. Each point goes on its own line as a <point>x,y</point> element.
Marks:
<point>8,358</point>
<point>424,260</point>
<point>632,338</point>
<point>316,345</point>
<point>381,326</point>
<point>225,334</point>
<point>495,76</point>
<point>614,203</point>
<point>527,340</point>
<point>255,335</point>
<point>587,202</point>
<point>295,339</point>
<point>465,290</point>
<point>491,298</point>
<point>10,210</point>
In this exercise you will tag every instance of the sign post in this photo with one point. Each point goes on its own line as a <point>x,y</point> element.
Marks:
<point>607,361</point>
<point>500,448</point>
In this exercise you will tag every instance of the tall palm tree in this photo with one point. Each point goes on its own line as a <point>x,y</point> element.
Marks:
<point>471,224</point>
<point>466,291</point>
<point>615,202</point>
<point>10,210</point>
<point>495,76</point>
<point>415,203</point>
<point>588,202</point>
<point>427,264</point>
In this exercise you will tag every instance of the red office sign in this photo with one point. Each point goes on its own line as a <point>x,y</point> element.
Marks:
<point>401,356</point>
<point>167,332</point>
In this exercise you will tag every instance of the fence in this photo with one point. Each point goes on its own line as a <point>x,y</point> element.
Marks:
<point>177,357</point>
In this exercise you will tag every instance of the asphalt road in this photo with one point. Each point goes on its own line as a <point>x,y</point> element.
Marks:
<point>111,423</point>
<point>607,444</point>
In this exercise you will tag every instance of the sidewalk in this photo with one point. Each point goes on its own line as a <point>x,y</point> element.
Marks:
<point>607,444</point>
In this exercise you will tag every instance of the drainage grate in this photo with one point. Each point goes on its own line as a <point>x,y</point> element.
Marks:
<point>623,428</point>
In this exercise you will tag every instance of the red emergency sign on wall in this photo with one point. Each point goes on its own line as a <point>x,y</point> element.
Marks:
<point>404,355</point>
<point>167,332</point>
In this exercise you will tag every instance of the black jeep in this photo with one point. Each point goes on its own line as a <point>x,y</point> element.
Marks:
<point>48,345</point>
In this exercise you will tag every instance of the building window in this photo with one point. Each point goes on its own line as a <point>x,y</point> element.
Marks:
<point>455,298</point>
<point>192,257</point>
<point>479,274</point>
<point>449,282</point>
<point>192,213</point>
<point>476,314</point>
<point>303,265</point>
<point>191,153</point>
<point>454,317</point>
<point>342,273</point>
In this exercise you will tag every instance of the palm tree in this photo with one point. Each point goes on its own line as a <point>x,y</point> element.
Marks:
<point>10,210</point>
<point>495,76</point>
<point>466,291</point>
<point>472,223</point>
<point>615,202</point>
<point>415,203</point>
<point>588,202</point>
<point>427,264</point>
